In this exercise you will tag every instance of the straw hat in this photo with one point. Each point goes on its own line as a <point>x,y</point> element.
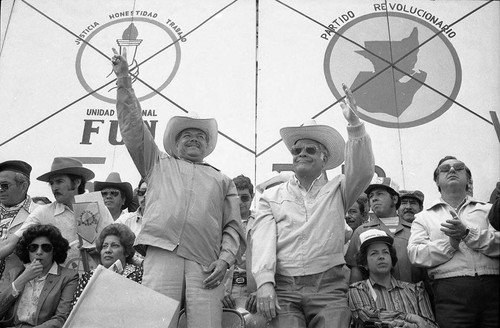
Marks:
<point>179,123</point>
<point>324,134</point>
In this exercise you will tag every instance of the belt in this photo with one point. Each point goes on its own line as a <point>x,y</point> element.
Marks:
<point>240,279</point>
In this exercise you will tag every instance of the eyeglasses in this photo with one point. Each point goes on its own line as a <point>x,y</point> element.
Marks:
<point>47,248</point>
<point>447,167</point>
<point>5,186</point>
<point>141,192</point>
<point>311,150</point>
<point>244,198</point>
<point>113,193</point>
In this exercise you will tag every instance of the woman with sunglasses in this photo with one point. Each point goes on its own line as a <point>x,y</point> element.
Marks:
<point>41,292</point>
<point>115,244</point>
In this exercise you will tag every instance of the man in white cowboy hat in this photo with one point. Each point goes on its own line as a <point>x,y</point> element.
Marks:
<point>191,230</point>
<point>116,194</point>
<point>67,178</point>
<point>383,196</point>
<point>298,261</point>
<point>15,204</point>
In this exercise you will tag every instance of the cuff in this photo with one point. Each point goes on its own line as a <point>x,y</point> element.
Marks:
<point>15,292</point>
<point>264,277</point>
<point>124,82</point>
<point>473,234</point>
<point>356,131</point>
<point>227,257</point>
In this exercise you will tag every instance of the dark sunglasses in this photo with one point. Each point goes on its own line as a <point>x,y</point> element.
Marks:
<point>447,167</point>
<point>244,198</point>
<point>112,193</point>
<point>311,150</point>
<point>47,248</point>
<point>4,186</point>
<point>141,192</point>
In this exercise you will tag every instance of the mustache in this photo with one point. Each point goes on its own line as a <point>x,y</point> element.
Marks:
<point>408,210</point>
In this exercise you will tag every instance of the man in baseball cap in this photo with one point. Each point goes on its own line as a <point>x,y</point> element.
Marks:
<point>384,198</point>
<point>412,202</point>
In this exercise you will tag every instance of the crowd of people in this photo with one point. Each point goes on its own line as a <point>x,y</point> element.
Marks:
<point>351,251</point>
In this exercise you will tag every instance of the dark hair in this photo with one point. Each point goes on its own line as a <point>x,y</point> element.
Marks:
<point>363,204</point>
<point>243,182</point>
<point>123,233</point>
<point>53,234</point>
<point>362,259</point>
<point>81,187</point>
<point>436,171</point>
<point>41,198</point>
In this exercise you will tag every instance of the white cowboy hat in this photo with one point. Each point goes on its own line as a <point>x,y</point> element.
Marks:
<point>179,123</point>
<point>324,134</point>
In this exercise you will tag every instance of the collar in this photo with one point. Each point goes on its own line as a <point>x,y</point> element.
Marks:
<point>60,208</point>
<point>468,200</point>
<point>195,163</point>
<point>25,203</point>
<point>53,268</point>
<point>394,283</point>
<point>375,221</point>
<point>319,181</point>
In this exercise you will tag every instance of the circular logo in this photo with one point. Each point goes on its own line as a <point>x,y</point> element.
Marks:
<point>153,54</point>
<point>403,80</point>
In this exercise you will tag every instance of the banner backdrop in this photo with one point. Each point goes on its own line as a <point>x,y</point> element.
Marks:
<point>424,73</point>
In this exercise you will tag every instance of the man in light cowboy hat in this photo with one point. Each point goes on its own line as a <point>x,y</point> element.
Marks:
<point>384,199</point>
<point>116,194</point>
<point>412,202</point>
<point>15,204</point>
<point>298,261</point>
<point>67,178</point>
<point>191,226</point>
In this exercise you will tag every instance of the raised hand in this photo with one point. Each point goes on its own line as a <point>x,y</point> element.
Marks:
<point>120,64</point>
<point>349,108</point>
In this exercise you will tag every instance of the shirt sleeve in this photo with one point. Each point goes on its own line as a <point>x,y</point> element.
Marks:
<point>423,252</point>
<point>264,250</point>
<point>359,163</point>
<point>424,305</point>
<point>32,219</point>
<point>233,238</point>
<point>136,136</point>
<point>485,241</point>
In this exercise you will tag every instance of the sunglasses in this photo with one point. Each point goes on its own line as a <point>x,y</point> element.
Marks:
<point>311,150</point>
<point>141,192</point>
<point>447,167</point>
<point>112,193</point>
<point>47,248</point>
<point>4,186</point>
<point>244,198</point>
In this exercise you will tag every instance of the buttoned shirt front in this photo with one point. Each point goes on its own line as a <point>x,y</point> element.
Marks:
<point>301,232</point>
<point>392,303</point>
<point>477,254</point>
<point>28,304</point>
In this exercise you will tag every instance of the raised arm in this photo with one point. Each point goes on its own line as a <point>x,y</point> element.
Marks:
<point>135,134</point>
<point>359,160</point>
